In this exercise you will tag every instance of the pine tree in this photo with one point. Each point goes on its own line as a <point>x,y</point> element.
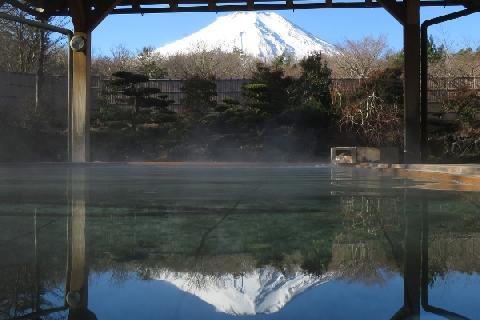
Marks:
<point>138,95</point>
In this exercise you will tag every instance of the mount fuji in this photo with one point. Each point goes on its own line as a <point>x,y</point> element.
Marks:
<point>264,35</point>
<point>261,291</point>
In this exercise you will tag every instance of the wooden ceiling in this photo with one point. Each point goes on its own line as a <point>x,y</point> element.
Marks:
<point>88,13</point>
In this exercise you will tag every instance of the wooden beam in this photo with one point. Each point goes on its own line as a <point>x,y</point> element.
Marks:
<point>473,5</point>
<point>84,18</point>
<point>212,5</point>
<point>67,7</point>
<point>78,12</point>
<point>63,7</point>
<point>229,7</point>
<point>173,5</point>
<point>53,8</point>
<point>396,9</point>
<point>136,6</point>
<point>101,12</point>
<point>423,2</point>
<point>341,3</point>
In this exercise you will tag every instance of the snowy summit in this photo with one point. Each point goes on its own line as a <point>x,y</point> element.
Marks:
<point>262,34</point>
<point>262,291</point>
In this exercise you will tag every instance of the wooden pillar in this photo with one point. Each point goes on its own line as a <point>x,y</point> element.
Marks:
<point>85,18</point>
<point>412,129</point>
<point>79,119</point>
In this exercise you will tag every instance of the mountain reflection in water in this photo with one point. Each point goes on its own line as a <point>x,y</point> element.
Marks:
<point>153,242</point>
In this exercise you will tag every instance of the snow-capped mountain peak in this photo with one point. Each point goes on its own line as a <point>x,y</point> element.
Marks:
<point>262,34</point>
<point>261,291</point>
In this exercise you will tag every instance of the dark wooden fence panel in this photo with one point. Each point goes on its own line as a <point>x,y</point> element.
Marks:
<point>19,89</point>
<point>173,89</point>
<point>443,89</point>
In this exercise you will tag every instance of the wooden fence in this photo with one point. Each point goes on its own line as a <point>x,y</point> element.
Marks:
<point>443,89</point>
<point>19,90</point>
<point>440,89</point>
<point>173,89</point>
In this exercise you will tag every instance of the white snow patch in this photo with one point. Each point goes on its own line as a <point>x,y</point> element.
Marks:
<point>264,290</point>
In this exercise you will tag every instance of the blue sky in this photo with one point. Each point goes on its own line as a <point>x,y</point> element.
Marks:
<point>331,25</point>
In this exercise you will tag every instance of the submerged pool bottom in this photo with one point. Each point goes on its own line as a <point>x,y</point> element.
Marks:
<point>221,242</point>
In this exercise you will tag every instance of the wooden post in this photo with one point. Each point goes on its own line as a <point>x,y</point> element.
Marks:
<point>85,19</point>
<point>79,120</point>
<point>412,130</point>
